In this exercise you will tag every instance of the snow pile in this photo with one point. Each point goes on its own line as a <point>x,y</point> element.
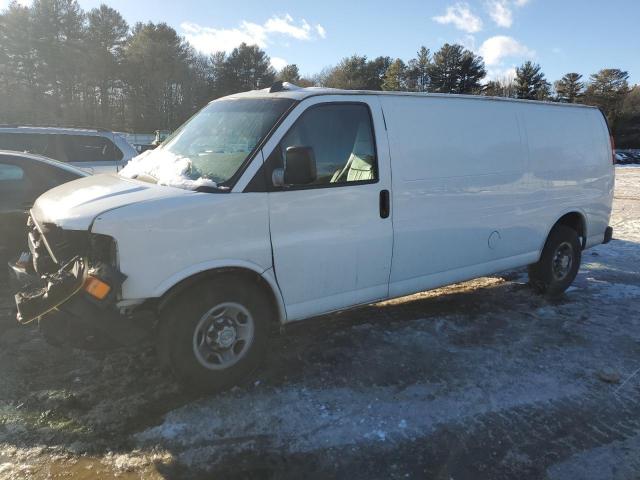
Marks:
<point>167,168</point>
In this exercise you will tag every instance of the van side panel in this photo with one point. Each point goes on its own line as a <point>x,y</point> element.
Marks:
<point>461,198</point>
<point>571,165</point>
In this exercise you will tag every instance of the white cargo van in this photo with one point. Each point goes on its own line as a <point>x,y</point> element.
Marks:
<point>278,205</point>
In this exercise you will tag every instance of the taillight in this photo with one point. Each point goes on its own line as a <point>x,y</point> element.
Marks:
<point>613,149</point>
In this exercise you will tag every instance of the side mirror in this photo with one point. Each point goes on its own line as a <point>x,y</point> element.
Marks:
<point>300,166</point>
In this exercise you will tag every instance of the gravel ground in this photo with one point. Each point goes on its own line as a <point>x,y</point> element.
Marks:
<point>482,379</point>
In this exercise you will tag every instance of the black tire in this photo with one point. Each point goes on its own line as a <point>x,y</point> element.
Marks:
<point>550,275</point>
<point>179,326</point>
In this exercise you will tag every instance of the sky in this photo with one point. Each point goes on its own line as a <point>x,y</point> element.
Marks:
<point>561,35</point>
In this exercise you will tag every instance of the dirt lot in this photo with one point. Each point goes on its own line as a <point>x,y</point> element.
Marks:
<point>478,380</point>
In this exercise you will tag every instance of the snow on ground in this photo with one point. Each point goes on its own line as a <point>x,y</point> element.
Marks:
<point>482,379</point>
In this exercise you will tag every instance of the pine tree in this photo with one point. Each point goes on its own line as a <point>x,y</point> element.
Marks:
<point>628,124</point>
<point>58,34</point>
<point>607,89</point>
<point>247,68</point>
<point>21,91</point>
<point>395,76</point>
<point>569,87</point>
<point>456,70</point>
<point>418,71</point>
<point>375,71</point>
<point>472,71</point>
<point>500,87</point>
<point>350,74</point>
<point>157,100</point>
<point>106,35</point>
<point>289,73</point>
<point>355,73</point>
<point>531,83</point>
<point>608,81</point>
<point>216,76</point>
<point>493,88</point>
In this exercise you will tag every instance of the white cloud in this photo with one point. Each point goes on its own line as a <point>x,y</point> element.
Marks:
<point>285,26</point>
<point>210,39</point>
<point>495,49</point>
<point>501,11</point>
<point>461,16</point>
<point>278,63</point>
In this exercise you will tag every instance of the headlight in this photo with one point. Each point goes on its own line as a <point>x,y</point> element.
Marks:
<point>103,249</point>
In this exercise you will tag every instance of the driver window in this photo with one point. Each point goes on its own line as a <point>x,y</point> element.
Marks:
<point>341,136</point>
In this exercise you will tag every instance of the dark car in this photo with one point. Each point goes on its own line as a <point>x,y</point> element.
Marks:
<point>23,178</point>
<point>622,158</point>
<point>635,155</point>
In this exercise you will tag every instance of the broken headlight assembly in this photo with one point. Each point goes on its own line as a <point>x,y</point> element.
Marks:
<point>103,279</point>
<point>102,249</point>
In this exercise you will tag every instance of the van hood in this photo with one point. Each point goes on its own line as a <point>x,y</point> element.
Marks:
<point>74,205</point>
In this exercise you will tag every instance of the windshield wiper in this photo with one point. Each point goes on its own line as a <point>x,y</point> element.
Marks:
<point>211,189</point>
<point>144,177</point>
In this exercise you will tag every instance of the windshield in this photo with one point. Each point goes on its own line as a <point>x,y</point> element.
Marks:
<point>210,148</point>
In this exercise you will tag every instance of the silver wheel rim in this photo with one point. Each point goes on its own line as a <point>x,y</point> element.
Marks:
<point>223,336</point>
<point>562,261</point>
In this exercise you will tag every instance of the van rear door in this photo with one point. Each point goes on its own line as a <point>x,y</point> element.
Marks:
<point>332,238</point>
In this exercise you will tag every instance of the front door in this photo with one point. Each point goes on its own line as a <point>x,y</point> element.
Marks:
<point>332,238</point>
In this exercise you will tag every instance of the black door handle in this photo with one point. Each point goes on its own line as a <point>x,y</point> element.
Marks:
<point>384,204</point>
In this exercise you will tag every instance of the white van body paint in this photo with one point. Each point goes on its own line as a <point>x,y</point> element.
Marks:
<point>476,185</point>
<point>464,168</point>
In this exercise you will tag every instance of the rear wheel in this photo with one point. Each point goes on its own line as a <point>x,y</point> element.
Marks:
<point>559,262</point>
<point>214,334</point>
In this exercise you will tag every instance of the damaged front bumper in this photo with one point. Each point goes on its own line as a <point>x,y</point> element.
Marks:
<point>68,315</point>
<point>41,296</point>
<point>75,301</point>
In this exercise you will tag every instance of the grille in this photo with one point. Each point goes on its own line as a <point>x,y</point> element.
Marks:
<point>52,247</point>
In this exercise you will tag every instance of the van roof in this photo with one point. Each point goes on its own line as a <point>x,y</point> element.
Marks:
<point>294,92</point>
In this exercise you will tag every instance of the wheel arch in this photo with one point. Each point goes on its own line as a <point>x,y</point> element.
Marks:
<point>574,219</point>
<point>240,273</point>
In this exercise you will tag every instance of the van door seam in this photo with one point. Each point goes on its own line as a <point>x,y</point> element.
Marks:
<point>273,260</point>
<point>391,202</point>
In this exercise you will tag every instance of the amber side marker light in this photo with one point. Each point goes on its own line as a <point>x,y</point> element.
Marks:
<point>96,288</point>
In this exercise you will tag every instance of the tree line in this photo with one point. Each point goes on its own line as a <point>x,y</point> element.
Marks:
<point>61,65</point>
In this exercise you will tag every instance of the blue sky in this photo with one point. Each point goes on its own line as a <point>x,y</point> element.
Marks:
<point>561,35</point>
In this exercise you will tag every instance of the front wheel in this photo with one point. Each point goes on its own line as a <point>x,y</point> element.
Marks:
<point>214,334</point>
<point>559,262</point>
